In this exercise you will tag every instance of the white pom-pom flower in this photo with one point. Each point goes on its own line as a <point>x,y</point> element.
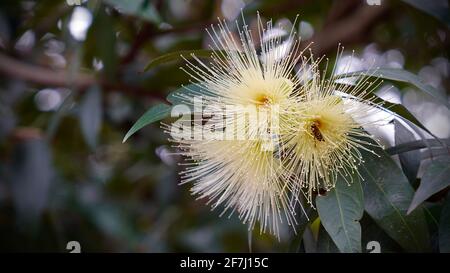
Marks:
<point>256,135</point>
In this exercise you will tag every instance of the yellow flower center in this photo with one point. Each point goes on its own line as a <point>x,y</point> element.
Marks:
<point>263,100</point>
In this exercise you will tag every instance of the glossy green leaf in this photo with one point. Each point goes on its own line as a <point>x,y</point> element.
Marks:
<point>324,242</point>
<point>185,94</point>
<point>340,211</point>
<point>173,56</point>
<point>435,178</point>
<point>387,195</point>
<point>410,161</point>
<point>181,95</point>
<point>417,145</point>
<point>401,112</point>
<point>444,228</point>
<point>155,113</point>
<point>432,214</point>
<point>371,232</point>
<point>395,109</point>
<point>399,75</point>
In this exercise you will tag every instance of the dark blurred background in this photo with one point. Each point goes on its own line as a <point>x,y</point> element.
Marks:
<point>72,83</point>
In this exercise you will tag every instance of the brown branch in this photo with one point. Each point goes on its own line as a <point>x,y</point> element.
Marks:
<point>144,34</point>
<point>346,30</point>
<point>45,76</point>
<point>340,9</point>
<point>62,78</point>
<point>199,26</point>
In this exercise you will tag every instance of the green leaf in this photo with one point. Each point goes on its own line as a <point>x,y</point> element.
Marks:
<point>303,222</point>
<point>90,115</point>
<point>372,232</point>
<point>410,161</point>
<point>432,214</point>
<point>401,112</point>
<point>435,178</point>
<point>340,211</point>
<point>309,242</point>
<point>324,242</point>
<point>141,8</point>
<point>417,145</point>
<point>185,94</point>
<point>399,75</point>
<point>179,96</point>
<point>387,195</point>
<point>397,110</point>
<point>437,8</point>
<point>155,113</point>
<point>173,56</point>
<point>444,228</point>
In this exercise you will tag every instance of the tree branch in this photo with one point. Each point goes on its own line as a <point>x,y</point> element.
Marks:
<point>144,34</point>
<point>346,30</point>
<point>340,9</point>
<point>61,78</point>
